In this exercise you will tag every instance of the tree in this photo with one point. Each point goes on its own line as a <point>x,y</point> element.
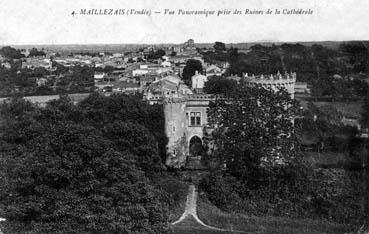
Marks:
<point>59,176</point>
<point>100,110</point>
<point>130,123</point>
<point>192,65</point>
<point>359,55</point>
<point>60,68</point>
<point>138,140</point>
<point>252,130</point>
<point>156,54</point>
<point>219,46</point>
<point>160,53</point>
<point>219,85</point>
<point>10,53</point>
<point>35,53</point>
<point>108,69</point>
<point>365,112</point>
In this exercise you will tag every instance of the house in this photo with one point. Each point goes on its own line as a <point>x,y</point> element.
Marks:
<point>198,82</point>
<point>99,76</point>
<point>170,86</point>
<point>140,72</point>
<point>213,70</point>
<point>32,63</point>
<point>41,81</point>
<point>7,65</point>
<point>126,87</point>
<point>166,64</point>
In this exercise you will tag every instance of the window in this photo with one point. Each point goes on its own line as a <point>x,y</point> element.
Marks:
<point>195,118</point>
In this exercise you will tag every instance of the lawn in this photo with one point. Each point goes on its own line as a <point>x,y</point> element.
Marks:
<point>211,215</point>
<point>190,226</point>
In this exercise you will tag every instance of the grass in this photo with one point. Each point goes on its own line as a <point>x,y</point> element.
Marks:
<point>211,215</point>
<point>349,109</point>
<point>326,158</point>
<point>190,226</point>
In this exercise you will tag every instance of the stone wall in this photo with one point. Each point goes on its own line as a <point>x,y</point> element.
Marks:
<point>175,130</point>
<point>177,125</point>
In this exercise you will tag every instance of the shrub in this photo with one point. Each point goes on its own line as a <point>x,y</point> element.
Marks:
<point>221,191</point>
<point>329,194</point>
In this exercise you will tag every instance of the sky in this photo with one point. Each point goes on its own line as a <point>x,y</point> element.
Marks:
<point>51,22</point>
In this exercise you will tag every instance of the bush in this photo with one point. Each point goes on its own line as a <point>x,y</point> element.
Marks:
<point>221,191</point>
<point>329,194</point>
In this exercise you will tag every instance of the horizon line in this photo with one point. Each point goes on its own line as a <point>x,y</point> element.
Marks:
<point>176,43</point>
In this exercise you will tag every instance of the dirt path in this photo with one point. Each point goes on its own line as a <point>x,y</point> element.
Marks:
<point>190,210</point>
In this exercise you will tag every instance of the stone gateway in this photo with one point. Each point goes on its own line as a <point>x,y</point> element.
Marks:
<point>185,112</point>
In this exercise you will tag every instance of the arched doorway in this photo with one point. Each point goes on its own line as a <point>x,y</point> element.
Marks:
<point>196,148</point>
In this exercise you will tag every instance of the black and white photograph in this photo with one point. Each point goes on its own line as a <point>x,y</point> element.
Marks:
<point>184,117</point>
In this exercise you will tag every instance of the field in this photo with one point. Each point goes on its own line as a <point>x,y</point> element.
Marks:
<point>266,225</point>
<point>326,159</point>
<point>348,109</point>
<point>242,223</point>
<point>75,97</point>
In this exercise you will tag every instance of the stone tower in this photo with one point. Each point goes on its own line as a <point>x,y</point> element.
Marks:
<point>175,130</point>
<point>185,119</point>
<point>274,82</point>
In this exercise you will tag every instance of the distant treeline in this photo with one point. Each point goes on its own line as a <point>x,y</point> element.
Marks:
<point>339,72</point>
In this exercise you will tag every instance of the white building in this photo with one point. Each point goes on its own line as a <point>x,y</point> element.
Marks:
<point>198,81</point>
<point>166,64</point>
<point>99,75</point>
<point>139,72</point>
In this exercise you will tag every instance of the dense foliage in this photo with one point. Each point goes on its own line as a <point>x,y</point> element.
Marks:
<point>252,128</point>
<point>322,128</point>
<point>365,112</point>
<point>192,65</point>
<point>296,192</point>
<point>219,46</point>
<point>34,52</point>
<point>158,54</point>
<point>100,111</point>
<point>312,63</point>
<point>219,85</point>
<point>62,80</point>
<point>10,53</point>
<point>333,72</point>
<point>261,168</point>
<point>81,168</point>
